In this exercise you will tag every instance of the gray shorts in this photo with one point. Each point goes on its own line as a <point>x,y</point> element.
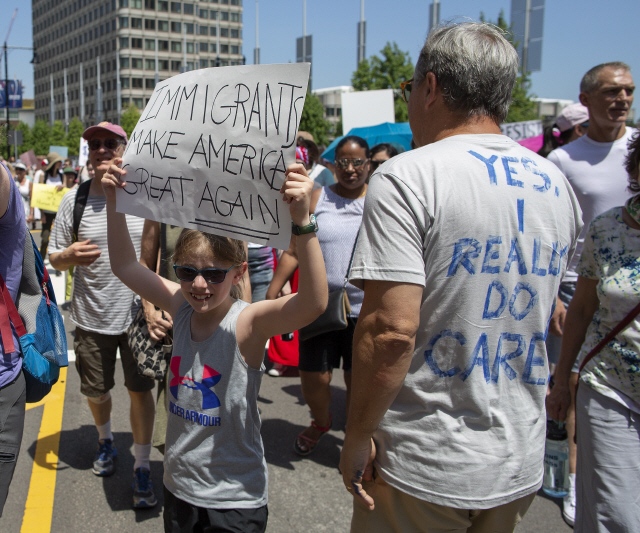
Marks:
<point>96,363</point>
<point>608,466</point>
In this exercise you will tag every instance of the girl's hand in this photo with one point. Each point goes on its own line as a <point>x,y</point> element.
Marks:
<point>114,179</point>
<point>296,191</point>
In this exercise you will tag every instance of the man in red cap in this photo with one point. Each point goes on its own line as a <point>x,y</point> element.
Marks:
<point>102,309</point>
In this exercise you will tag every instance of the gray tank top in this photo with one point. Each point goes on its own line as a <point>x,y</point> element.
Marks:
<point>339,220</point>
<point>214,455</point>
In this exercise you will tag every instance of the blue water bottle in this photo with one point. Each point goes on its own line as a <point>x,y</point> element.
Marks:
<point>556,460</point>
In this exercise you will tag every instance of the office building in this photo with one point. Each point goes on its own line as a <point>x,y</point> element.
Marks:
<point>142,41</point>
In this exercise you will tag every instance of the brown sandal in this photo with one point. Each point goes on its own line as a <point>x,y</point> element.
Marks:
<point>311,443</point>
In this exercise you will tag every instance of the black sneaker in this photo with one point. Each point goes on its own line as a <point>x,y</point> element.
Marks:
<point>103,465</point>
<point>143,495</point>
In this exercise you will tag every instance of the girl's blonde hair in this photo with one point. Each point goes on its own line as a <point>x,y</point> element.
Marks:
<point>192,241</point>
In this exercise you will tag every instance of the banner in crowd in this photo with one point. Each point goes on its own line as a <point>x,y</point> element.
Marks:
<point>522,130</point>
<point>29,158</point>
<point>47,197</point>
<point>211,148</point>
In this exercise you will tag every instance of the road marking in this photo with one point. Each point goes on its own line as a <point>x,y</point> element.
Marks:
<point>39,507</point>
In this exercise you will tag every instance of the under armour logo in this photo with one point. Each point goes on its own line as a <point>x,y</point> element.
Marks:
<point>209,380</point>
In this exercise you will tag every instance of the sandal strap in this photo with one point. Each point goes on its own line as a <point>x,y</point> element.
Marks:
<point>323,429</point>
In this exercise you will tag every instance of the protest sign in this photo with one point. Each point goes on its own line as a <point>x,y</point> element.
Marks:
<point>211,148</point>
<point>47,197</point>
<point>522,130</point>
<point>29,158</point>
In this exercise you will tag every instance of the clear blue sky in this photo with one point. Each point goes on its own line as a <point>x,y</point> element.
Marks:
<point>578,34</point>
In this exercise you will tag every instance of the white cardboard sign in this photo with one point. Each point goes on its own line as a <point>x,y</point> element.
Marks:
<point>211,148</point>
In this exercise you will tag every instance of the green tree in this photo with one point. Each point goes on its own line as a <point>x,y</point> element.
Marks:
<point>386,72</point>
<point>26,137</point>
<point>129,119</point>
<point>522,106</point>
<point>41,137</point>
<point>313,120</point>
<point>58,136</point>
<point>73,137</point>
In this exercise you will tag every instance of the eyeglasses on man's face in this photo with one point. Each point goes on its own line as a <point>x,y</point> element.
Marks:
<point>405,87</point>
<point>344,163</point>
<point>110,143</point>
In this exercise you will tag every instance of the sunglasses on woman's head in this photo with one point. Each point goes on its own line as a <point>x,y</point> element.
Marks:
<point>210,275</point>
<point>109,144</point>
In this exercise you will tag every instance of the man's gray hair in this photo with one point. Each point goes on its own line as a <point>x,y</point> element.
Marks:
<point>590,82</point>
<point>475,66</point>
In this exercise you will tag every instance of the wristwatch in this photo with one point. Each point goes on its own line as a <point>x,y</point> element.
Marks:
<point>311,227</point>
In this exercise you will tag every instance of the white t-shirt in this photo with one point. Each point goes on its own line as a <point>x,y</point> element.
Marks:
<point>596,173</point>
<point>101,303</point>
<point>486,227</point>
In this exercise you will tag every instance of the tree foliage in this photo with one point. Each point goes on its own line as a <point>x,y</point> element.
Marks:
<point>58,136</point>
<point>313,120</point>
<point>129,119</point>
<point>41,137</point>
<point>76,130</point>
<point>26,137</point>
<point>386,72</point>
<point>522,106</point>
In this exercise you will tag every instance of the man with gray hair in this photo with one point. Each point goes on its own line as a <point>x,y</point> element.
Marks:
<point>462,247</point>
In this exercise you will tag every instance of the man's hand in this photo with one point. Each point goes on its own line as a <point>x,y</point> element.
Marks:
<point>556,326</point>
<point>558,402</point>
<point>78,254</point>
<point>356,465</point>
<point>158,323</point>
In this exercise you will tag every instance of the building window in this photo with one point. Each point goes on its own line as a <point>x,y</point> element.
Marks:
<point>124,83</point>
<point>176,7</point>
<point>136,83</point>
<point>149,24</point>
<point>235,34</point>
<point>204,30</point>
<point>176,27</point>
<point>212,48</point>
<point>235,17</point>
<point>213,31</point>
<point>163,25</point>
<point>224,32</point>
<point>213,15</point>
<point>150,64</point>
<point>124,22</point>
<point>189,48</point>
<point>187,9</point>
<point>149,83</point>
<point>204,13</point>
<point>149,44</point>
<point>224,48</point>
<point>138,102</point>
<point>188,28</point>
<point>125,102</point>
<point>136,62</point>
<point>176,66</point>
<point>235,2</point>
<point>124,42</point>
<point>136,24</point>
<point>224,15</point>
<point>235,49</point>
<point>163,46</point>
<point>176,46</point>
<point>204,47</point>
<point>150,4</point>
<point>124,62</point>
<point>163,5</point>
<point>136,42</point>
<point>163,64</point>
<point>136,4</point>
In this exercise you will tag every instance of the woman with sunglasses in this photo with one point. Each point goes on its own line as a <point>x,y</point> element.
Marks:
<point>379,154</point>
<point>338,209</point>
<point>215,475</point>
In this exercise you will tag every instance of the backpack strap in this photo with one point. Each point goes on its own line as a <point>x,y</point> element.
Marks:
<point>78,208</point>
<point>8,315</point>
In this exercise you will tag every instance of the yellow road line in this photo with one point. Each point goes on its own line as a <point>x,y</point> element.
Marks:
<point>39,507</point>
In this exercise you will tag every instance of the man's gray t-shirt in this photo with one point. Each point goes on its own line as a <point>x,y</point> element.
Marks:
<point>486,227</point>
<point>101,303</point>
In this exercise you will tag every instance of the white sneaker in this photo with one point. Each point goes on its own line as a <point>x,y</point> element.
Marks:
<point>277,370</point>
<point>569,502</point>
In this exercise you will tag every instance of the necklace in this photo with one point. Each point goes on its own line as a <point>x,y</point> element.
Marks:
<point>633,207</point>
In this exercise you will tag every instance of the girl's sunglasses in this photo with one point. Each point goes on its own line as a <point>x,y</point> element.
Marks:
<point>210,275</point>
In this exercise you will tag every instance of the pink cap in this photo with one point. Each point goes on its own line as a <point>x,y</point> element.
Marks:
<point>571,116</point>
<point>113,128</point>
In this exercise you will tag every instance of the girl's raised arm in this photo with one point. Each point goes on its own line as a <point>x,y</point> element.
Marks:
<point>122,255</point>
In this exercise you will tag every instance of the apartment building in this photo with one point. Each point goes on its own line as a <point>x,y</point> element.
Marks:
<point>84,47</point>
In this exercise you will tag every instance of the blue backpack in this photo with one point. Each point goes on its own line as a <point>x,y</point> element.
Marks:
<point>37,321</point>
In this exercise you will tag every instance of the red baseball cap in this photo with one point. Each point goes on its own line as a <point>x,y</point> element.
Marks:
<point>113,128</point>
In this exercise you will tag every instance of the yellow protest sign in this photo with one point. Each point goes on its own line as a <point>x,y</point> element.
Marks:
<point>47,197</point>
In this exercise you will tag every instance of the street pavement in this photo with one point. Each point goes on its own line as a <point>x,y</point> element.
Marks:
<point>305,494</point>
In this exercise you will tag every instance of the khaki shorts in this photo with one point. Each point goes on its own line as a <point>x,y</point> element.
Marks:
<point>397,512</point>
<point>96,363</point>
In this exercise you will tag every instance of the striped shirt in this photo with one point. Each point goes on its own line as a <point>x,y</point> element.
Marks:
<point>101,303</point>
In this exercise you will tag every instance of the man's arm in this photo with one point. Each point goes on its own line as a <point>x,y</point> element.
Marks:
<point>384,342</point>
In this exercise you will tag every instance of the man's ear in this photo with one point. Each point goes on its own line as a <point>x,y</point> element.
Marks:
<point>584,99</point>
<point>432,88</point>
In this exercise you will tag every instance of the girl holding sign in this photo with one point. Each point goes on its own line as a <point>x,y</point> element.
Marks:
<point>215,475</point>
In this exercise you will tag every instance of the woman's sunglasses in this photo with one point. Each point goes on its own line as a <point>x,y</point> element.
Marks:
<point>210,275</point>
